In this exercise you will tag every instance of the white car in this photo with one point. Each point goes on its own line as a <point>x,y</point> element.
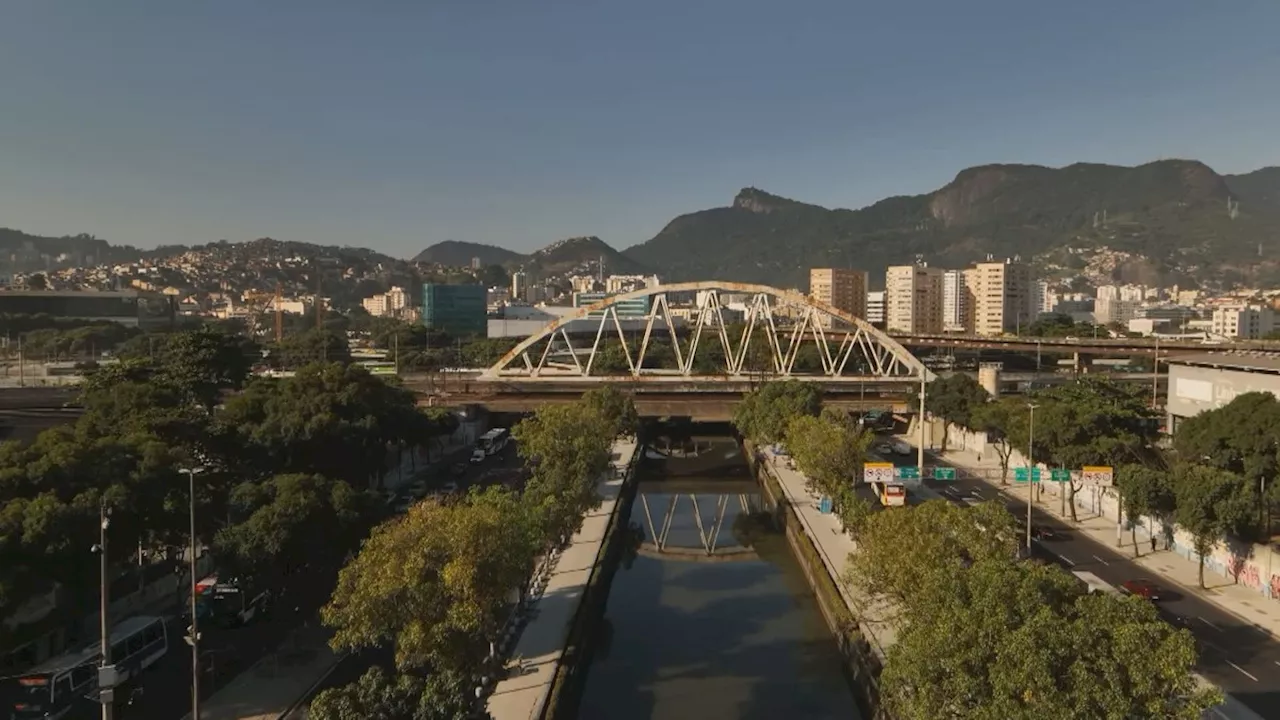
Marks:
<point>884,448</point>
<point>478,456</point>
<point>902,448</point>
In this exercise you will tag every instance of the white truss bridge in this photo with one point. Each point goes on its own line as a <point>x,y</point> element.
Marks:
<point>848,348</point>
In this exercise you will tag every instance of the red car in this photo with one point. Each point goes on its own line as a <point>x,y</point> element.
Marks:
<point>1143,589</point>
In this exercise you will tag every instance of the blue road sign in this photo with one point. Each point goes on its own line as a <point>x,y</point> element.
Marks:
<point>824,506</point>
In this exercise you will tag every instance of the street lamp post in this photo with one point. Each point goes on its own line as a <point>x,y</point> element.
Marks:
<point>194,638</point>
<point>920,430</point>
<point>1031,484</point>
<point>106,690</point>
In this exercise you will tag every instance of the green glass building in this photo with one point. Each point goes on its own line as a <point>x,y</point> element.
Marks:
<point>459,310</point>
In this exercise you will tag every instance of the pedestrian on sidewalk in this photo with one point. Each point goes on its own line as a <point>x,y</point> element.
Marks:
<point>1153,543</point>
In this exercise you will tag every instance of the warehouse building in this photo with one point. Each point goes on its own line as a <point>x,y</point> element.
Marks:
<point>1209,380</point>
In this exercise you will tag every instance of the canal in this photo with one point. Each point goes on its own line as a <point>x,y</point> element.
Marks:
<point>710,616</point>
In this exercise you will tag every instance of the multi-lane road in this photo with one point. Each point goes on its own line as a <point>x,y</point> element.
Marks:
<point>1234,654</point>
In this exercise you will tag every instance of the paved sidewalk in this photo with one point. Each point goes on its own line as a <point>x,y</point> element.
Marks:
<point>834,547</point>
<point>524,694</point>
<point>273,685</point>
<point>1171,565</point>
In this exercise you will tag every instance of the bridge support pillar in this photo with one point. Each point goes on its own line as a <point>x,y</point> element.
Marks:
<point>989,378</point>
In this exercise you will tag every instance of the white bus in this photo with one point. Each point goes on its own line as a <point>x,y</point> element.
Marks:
<point>51,690</point>
<point>491,443</point>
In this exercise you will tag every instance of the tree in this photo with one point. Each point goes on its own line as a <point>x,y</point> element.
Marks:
<point>1210,504</point>
<point>1091,422</point>
<point>829,452</point>
<point>943,539</point>
<point>1022,640</point>
<point>566,448</point>
<point>1144,491</point>
<point>290,521</point>
<point>37,281</point>
<point>764,413</point>
<point>954,398</point>
<point>377,695</point>
<point>615,408</point>
<point>1242,437</point>
<point>307,347</point>
<point>205,363</point>
<point>432,585</point>
<point>1002,421</point>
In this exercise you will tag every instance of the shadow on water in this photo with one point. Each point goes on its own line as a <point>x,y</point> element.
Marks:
<point>741,638</point>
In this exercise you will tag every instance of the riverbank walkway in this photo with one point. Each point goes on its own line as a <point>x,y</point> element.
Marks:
<point>524,694</point>
<point>834,546</point>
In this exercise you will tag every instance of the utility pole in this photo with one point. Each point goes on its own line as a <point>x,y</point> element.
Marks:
<point>1155,376</point>
<point>395,351</point>
<point>106,683</point>
<point>193,636</point>
<point>22,365</point>
<point>920,429</point>
<point>279,316</point>
<point>1031,463</point>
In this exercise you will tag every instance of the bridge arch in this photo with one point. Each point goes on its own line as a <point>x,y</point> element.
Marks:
<point>848,347</point>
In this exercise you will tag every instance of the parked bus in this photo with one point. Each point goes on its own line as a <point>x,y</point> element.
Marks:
<point>892,494</point>
<point>52,689</point>
<point>229,604</point>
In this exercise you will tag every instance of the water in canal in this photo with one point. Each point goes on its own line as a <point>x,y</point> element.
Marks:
<point>711,618</point>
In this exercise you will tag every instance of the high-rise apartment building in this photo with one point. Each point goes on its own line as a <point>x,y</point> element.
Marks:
<point>999,295</point>
<point>913,299</point>
<point>875,308</point>
<point>955,301</point>
<point>519,285</point>
<point>1244,321</point>
<point>841,288</point>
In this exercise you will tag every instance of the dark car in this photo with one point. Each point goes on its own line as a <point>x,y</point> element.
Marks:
<point>1143,589</point>
<point>1043,533</point>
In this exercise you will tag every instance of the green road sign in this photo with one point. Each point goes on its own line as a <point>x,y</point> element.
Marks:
<point>944,473</point>
<point>1020,475</point>
<point>1060,475</point>
<point>907,473</point>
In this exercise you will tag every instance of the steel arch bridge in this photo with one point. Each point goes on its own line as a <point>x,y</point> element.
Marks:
<point>849,349</point>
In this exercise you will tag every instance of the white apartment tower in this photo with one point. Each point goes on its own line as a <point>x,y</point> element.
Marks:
<point>913,299</point>
<point>955,301</point>
<point>1244,321</point>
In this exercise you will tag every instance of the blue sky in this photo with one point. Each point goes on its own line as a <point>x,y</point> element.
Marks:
<point>394,125</point>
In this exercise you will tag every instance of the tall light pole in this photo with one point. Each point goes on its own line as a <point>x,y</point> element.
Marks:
<point>194,637</point>
<point>920,429</point>
<point>106,687</point>
<point>1155,376</point>
<point>1031,463</point>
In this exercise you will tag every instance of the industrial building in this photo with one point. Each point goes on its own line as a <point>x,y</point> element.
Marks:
<point>124,307</point>
<point>1209,380</point>
<point>459,310</point>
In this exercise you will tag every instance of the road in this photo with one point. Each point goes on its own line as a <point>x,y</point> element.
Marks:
<point>1234,654</point>
<point>166,686</point>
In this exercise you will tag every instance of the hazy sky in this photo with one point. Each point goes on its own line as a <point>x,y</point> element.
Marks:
<point>394,125</point>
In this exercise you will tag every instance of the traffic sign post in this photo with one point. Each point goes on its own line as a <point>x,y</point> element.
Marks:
<point>907,472</point>
<point>824,506</point>
<point>1020,474</point>
<point>877,472</point>
<point>1098,475</point>
<point>944,473</point>
<point>1059,475</point>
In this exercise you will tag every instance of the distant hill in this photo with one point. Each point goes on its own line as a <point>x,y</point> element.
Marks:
<point>562,257</point>
<point>581,254</point>
<point>22,252</point>
<point>1171,218</point>
<point>1260,188</point>
<point>452,253</point>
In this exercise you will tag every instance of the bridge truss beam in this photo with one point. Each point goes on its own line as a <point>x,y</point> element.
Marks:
<point>848,349</point>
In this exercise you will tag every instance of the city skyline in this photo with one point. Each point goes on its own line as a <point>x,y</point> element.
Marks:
<point>399,128</point>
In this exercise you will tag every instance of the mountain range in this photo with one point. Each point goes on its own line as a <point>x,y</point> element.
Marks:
<point>1165,222</point>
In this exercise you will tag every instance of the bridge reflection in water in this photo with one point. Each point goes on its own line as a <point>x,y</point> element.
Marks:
<point>710,617</point>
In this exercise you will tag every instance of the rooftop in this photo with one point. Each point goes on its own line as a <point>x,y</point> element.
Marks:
<point>1248,360</point>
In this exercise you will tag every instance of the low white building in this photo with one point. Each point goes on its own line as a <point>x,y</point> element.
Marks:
<point>1243,321</point>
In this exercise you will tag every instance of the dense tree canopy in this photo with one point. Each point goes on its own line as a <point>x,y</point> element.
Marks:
<point>954,398</point>
<point>983,634</point>
<point>763,414</point>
